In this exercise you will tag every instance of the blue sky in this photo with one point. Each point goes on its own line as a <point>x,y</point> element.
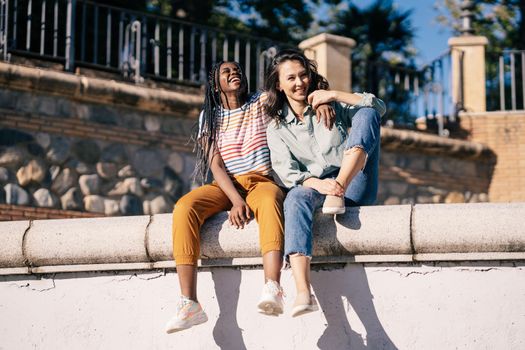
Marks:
<point>430,37</point>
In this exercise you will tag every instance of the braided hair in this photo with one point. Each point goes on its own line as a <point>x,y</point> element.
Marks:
<point>205,132</point>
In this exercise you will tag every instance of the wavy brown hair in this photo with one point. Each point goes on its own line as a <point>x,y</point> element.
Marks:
<point>277,99</point>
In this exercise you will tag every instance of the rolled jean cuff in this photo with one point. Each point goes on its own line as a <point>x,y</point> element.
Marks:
<point>271,246</point>
<point>185,260</point>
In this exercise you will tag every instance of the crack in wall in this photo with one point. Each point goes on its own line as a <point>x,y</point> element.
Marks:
<point>478,270</point>
<point>24,246</point>
<point>411,231</point>
<point>410,273</point>
<point>31,286</point>
<point>146,239</point>
<point>139,276</point>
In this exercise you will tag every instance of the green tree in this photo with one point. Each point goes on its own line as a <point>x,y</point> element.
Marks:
<point>501,21</point>
<point>286,21</point>
<point>384,36</point>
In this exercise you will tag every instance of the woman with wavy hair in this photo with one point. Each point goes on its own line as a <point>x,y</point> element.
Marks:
<point>323,168</point>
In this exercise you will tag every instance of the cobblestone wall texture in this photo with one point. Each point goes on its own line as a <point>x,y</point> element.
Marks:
<point>63,155</point>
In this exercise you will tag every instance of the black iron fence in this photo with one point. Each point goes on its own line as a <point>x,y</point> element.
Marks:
<point>81,33</point>
<point>414,96</point>
<point>506,81</point>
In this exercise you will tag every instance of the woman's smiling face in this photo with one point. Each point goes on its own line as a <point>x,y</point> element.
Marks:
<point>229,77</point>
<point>294,80</point>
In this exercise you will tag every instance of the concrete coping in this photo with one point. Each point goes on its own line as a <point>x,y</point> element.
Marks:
<point>99,90</point>
<point>433,144</point>
<point>327,38</point>
<point>399,233</point>
<point>468,40</point>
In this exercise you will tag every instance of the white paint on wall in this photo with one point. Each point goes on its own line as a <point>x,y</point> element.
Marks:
<point>373,306</point>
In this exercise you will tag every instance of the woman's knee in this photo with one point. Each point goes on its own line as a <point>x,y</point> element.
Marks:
<point>298,198</point>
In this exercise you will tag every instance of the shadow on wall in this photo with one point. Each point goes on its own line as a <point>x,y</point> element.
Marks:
<point>337,294</point>
<point>347,290</point>
<point>227,333</point>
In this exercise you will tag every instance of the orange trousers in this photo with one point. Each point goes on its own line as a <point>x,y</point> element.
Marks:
<point>263,197</point>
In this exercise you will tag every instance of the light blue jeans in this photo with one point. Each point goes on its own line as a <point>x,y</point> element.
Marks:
<point>301,202</point>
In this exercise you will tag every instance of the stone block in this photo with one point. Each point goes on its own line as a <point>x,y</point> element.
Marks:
<point>126,171</point>
<point>16,195</point>
<point>5,175</point>
<point>219,239</point>
<point>147,162</point>
<point>35,171</point>
<point>363,231</point>
<point>465,228</point>
<point>455,197</point>
<point>115,153</point>
<point>107,170</point>
<point>89,184</point>
<point>87,241</point>
<point>12,156</point>
<point>159,238</point>
<point>66,179</point>
<point>130,205</point>
<point>152,123</point>
<point>45,199</point>
<point>94,204</point>
<point>176,162</point>
<point>86,151</point>
<point>72,199</point>
<point>58,151</point>
<point>111,207</point>
<point>43,139</point>
<point>11,237</point>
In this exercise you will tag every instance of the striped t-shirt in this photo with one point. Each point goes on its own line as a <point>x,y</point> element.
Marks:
<point>242,138</point>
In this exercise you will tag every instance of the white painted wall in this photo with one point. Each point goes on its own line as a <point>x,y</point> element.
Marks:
<point>475,305</point>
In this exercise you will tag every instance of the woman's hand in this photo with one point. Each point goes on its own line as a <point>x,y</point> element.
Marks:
<point>319,97</point>
<point>325,186</point>
<point>327,113</point>
<point>240,214</point>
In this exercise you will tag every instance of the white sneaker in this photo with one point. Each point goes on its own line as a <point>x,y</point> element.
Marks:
<point>189,313</point>
<point>271,302</point>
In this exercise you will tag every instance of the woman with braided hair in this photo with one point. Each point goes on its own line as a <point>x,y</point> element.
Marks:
<point>231,142</point>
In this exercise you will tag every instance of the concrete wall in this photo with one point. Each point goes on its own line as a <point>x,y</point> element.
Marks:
<point>364,306</point>
<point>386,277</point>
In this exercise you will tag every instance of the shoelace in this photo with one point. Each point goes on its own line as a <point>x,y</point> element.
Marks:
<point>183,302</point>
<point>274,287</point>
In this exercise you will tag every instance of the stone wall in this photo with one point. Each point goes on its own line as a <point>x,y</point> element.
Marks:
<point>69,142</point>
<point>68,152</point>
<point>423,168</point>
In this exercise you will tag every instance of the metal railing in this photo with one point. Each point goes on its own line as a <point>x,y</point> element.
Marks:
<point>414,96</point>
<point>506,81</point>
<point>81,33</point>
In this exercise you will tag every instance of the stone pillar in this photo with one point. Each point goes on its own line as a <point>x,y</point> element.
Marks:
<point>473,77</point>
<point>332,54</point>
